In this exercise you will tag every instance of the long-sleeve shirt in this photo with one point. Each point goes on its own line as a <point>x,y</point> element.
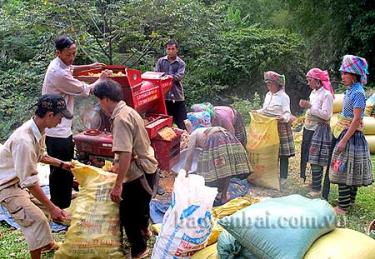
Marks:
<point>20,155</point>
<point>59,80</point>
<point>277,104</point>
<point>321,102</point>
<point>175,68</point>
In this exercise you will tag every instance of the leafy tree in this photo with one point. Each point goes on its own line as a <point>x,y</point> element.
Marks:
<point>334,28</point>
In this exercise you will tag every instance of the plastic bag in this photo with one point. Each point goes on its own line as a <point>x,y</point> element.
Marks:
<point>187,224</point>
<point>199,119</point>
<point>263,150</point>
<point>219,212</point>
<point>94,230</point>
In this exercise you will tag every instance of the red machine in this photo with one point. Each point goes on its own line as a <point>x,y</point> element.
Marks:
<point>144,93</point>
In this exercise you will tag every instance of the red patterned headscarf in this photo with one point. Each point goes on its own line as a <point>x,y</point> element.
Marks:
<point>323,76</point>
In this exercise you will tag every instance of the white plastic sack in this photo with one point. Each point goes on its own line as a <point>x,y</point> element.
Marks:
<point>187,224</point>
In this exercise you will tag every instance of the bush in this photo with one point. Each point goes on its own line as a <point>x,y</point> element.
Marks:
<point>244,106</point>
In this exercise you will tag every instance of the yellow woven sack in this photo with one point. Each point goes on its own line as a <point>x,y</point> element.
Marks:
<point>216,230</point>
<point>342,243</point>
<point>371,143</point>
<point>369,125</point>
<point>334,119</point>
<point>215,233</point>
<point>263,150</point>
<point>338,102</point>
<point>210,252</point>
<point>156,228</point>
<point>232,206</point>
<point>94,230</point>
<point>369,110</point>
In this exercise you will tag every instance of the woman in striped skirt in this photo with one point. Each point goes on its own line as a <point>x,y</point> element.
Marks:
<point>277,103</point>
<point>351,165</point>
<point>222,157</point>
<point>316,140</point>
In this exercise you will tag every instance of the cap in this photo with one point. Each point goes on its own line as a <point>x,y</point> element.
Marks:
<point>55,104</point>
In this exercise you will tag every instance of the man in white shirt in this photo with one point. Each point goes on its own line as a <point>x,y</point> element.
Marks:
<point>59,80</point>
<point>20,191</point>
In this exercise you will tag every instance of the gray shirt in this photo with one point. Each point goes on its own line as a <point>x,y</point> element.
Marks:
<point>176,68</point>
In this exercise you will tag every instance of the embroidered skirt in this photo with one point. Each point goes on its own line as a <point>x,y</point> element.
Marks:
<point>320,145</point>
<point>286,139</point>
<point>352,167</point>
<point>223,156</point>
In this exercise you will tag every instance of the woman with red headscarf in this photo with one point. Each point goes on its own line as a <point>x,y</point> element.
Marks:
<point>316,140</point>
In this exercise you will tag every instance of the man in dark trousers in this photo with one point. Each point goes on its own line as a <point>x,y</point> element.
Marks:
<point>59,80</point>
<point>135,165</point>
<point>173,65</point>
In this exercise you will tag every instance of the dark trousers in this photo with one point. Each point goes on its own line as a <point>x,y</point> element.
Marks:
<point>284,164</point>
<point>135,212</point>
<point>347,195</point>
<point>305,149</point>
<point>178,111</point>
<point>60,180</point>
<point>317,175</point>
<point>327,183</point>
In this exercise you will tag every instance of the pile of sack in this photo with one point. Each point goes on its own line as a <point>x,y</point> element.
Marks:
<point>287,227</point>
<point>368,119</point>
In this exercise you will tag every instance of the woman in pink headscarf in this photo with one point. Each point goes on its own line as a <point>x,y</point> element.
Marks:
<point>316,140</point>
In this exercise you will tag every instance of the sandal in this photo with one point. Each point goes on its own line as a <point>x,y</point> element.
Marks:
<point>313,194</point>
<point>339,211</point>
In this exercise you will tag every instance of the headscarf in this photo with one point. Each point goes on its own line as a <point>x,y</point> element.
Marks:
<point>200,107</point>
<point>355,65</point>
<point>323,76</point>
<point>274,77</point>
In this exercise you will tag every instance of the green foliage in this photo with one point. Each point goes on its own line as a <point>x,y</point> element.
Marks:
<point>20,86</point>
<point>234,64</point>
<point>245,106</point>
<point>227,45</point>
<point>334,28</point>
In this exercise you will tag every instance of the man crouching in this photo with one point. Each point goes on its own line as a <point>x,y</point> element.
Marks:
<point>20,191</point>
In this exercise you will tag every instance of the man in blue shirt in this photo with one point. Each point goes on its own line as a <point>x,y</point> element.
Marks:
<point>173,65</point>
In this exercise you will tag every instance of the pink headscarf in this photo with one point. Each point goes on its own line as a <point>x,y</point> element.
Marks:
<point>323,76</point>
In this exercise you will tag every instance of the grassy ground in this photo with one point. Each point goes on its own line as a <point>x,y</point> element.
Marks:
<point>13,245</point>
